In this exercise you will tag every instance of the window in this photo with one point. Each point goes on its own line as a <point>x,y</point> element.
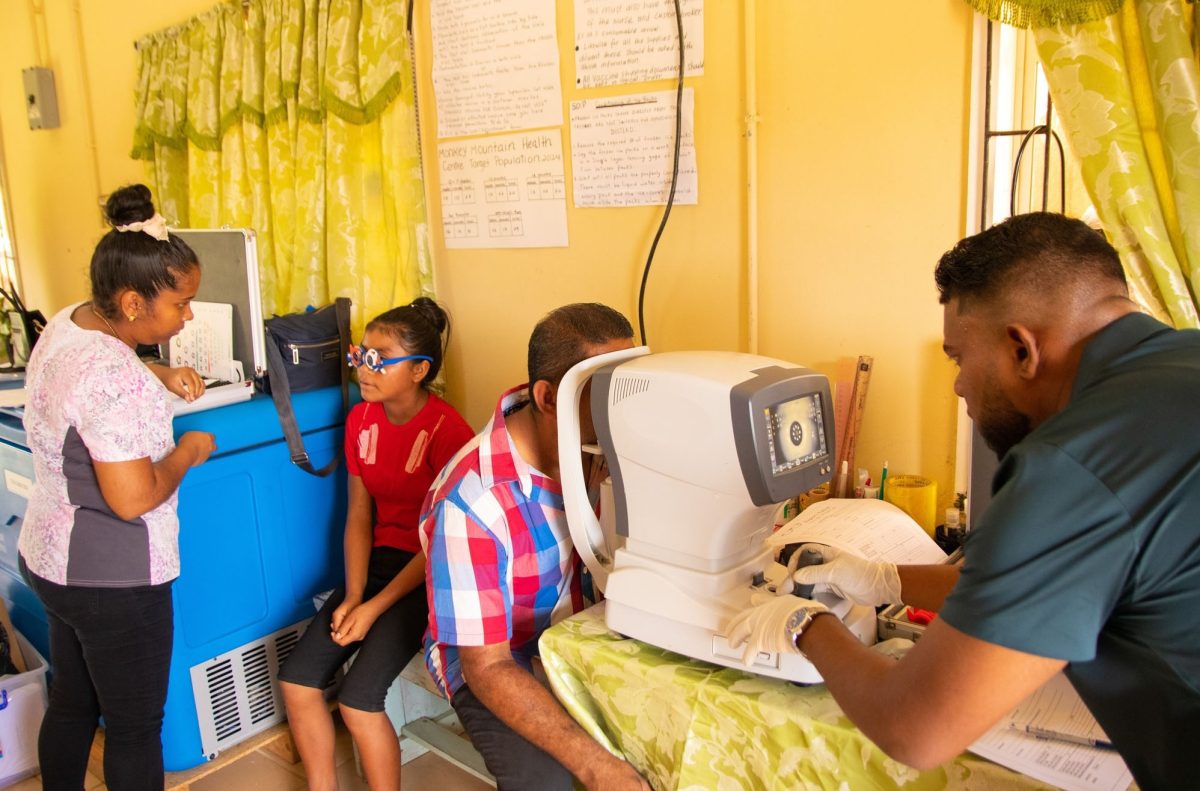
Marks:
<point>8,256</point>
<point>1013,172</point>
<point>1027,165</point>
<point>8,261</point>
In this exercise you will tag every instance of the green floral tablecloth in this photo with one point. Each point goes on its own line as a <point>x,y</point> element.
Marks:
<point>690,725</point>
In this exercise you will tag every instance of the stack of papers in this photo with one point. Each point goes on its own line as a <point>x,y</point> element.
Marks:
<point>1050,736</point>
<point>215,396</point>
<point>873,529</point>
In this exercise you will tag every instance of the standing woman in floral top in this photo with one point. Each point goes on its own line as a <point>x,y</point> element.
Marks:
<point>99,544</point>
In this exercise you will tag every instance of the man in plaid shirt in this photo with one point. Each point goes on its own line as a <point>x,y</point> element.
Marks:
<point>501,569</point>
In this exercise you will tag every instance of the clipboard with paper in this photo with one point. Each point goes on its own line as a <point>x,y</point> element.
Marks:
<point>224,341</point>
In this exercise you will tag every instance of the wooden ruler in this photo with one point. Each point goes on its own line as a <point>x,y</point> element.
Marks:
<point>858,405</point>
<point>842,390</point>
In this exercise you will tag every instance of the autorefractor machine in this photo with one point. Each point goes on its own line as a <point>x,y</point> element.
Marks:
<point>701,448</point>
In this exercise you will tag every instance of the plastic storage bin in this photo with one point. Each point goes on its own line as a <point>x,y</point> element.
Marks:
<point>23,701</point>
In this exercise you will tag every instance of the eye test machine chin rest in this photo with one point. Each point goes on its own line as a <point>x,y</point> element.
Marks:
<point>701,447</point>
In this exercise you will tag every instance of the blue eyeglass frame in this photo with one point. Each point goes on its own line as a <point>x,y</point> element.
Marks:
<point>378,364</point>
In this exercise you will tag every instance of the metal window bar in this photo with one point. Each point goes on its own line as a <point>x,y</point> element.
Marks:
<point>1027,136</point>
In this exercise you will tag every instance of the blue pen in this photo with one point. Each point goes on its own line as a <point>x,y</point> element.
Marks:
<point>882,480</point>
<point>1086,741</point>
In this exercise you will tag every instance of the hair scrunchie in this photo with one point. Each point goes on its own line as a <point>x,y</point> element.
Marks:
<point>156,226</point>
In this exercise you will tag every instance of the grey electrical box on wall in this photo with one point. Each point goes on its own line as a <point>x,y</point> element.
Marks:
<point>40,101</point>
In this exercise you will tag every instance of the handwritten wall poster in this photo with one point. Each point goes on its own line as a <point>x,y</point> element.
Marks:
<point>624,41</point>
<point>495,65</point>
<point>504,191</point>
<point>622,149</point>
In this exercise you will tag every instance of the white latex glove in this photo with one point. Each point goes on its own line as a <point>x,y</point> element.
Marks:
<point>861,581</point>
<point>763,627</point>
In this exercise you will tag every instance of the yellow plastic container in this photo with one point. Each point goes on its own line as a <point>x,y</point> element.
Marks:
<point>916,496</point>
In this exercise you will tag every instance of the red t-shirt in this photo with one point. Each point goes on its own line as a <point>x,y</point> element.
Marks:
<point>398,463</point>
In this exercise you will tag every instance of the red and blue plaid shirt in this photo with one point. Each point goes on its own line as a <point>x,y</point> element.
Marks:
<point>500,565</point>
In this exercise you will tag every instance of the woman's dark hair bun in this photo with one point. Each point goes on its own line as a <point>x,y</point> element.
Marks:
<point>135,259</point>
<point>431,312</point>
<point>129,204</point>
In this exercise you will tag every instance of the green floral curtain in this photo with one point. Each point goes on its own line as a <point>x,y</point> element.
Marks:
<point>1125,79</point>
<point>296,118</point>
<point>1045,13</point>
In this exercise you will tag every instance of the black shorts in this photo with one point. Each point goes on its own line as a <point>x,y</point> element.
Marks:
<point>382,654</point>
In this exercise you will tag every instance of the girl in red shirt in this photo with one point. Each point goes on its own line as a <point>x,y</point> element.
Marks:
<point>397,441</point>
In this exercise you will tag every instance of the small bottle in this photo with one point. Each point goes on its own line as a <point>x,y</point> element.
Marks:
<point>960,502</point>
<point>949,536</point>
<point>860,487</point>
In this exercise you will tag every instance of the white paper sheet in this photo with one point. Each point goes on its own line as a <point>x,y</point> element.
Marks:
<point>873,529</point>
<point>495,65</point>
<point>504,191</point>
<point>206,342</point>
<point>626,41</point>
<point>1055,706</point>
<point>214,397</point>
<point>622,149</point>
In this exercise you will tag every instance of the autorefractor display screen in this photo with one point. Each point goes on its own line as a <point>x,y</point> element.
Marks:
<point>796,433</point>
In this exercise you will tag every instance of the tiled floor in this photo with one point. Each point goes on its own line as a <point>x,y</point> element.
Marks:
<point>264,771</point>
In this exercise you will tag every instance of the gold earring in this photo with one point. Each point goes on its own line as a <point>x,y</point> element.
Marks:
<point>132,317</point>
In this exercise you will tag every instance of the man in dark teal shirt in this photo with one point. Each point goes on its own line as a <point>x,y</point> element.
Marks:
<point>1088,557</point>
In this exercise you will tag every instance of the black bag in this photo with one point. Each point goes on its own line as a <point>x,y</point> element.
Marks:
<point>25,327</point>
<point>311,347</point>
<point>307,351</point>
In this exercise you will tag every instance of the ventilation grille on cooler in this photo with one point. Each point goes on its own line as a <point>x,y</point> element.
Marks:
<point>237,694</point>
<point>625,386</point>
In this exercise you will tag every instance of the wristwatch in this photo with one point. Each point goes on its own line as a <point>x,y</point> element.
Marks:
<point>799,621</point>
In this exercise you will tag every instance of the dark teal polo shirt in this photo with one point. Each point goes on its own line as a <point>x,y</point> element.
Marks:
<point>1090,549</point>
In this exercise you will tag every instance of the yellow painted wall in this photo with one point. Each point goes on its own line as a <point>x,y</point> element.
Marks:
<point>57,176</point>
<point>862,134</point>
<point>862,171</point>
<point>863,188</point>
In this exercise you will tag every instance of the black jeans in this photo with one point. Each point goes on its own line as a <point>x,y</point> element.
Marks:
<point>110,652</point>
<point>517,764</point>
